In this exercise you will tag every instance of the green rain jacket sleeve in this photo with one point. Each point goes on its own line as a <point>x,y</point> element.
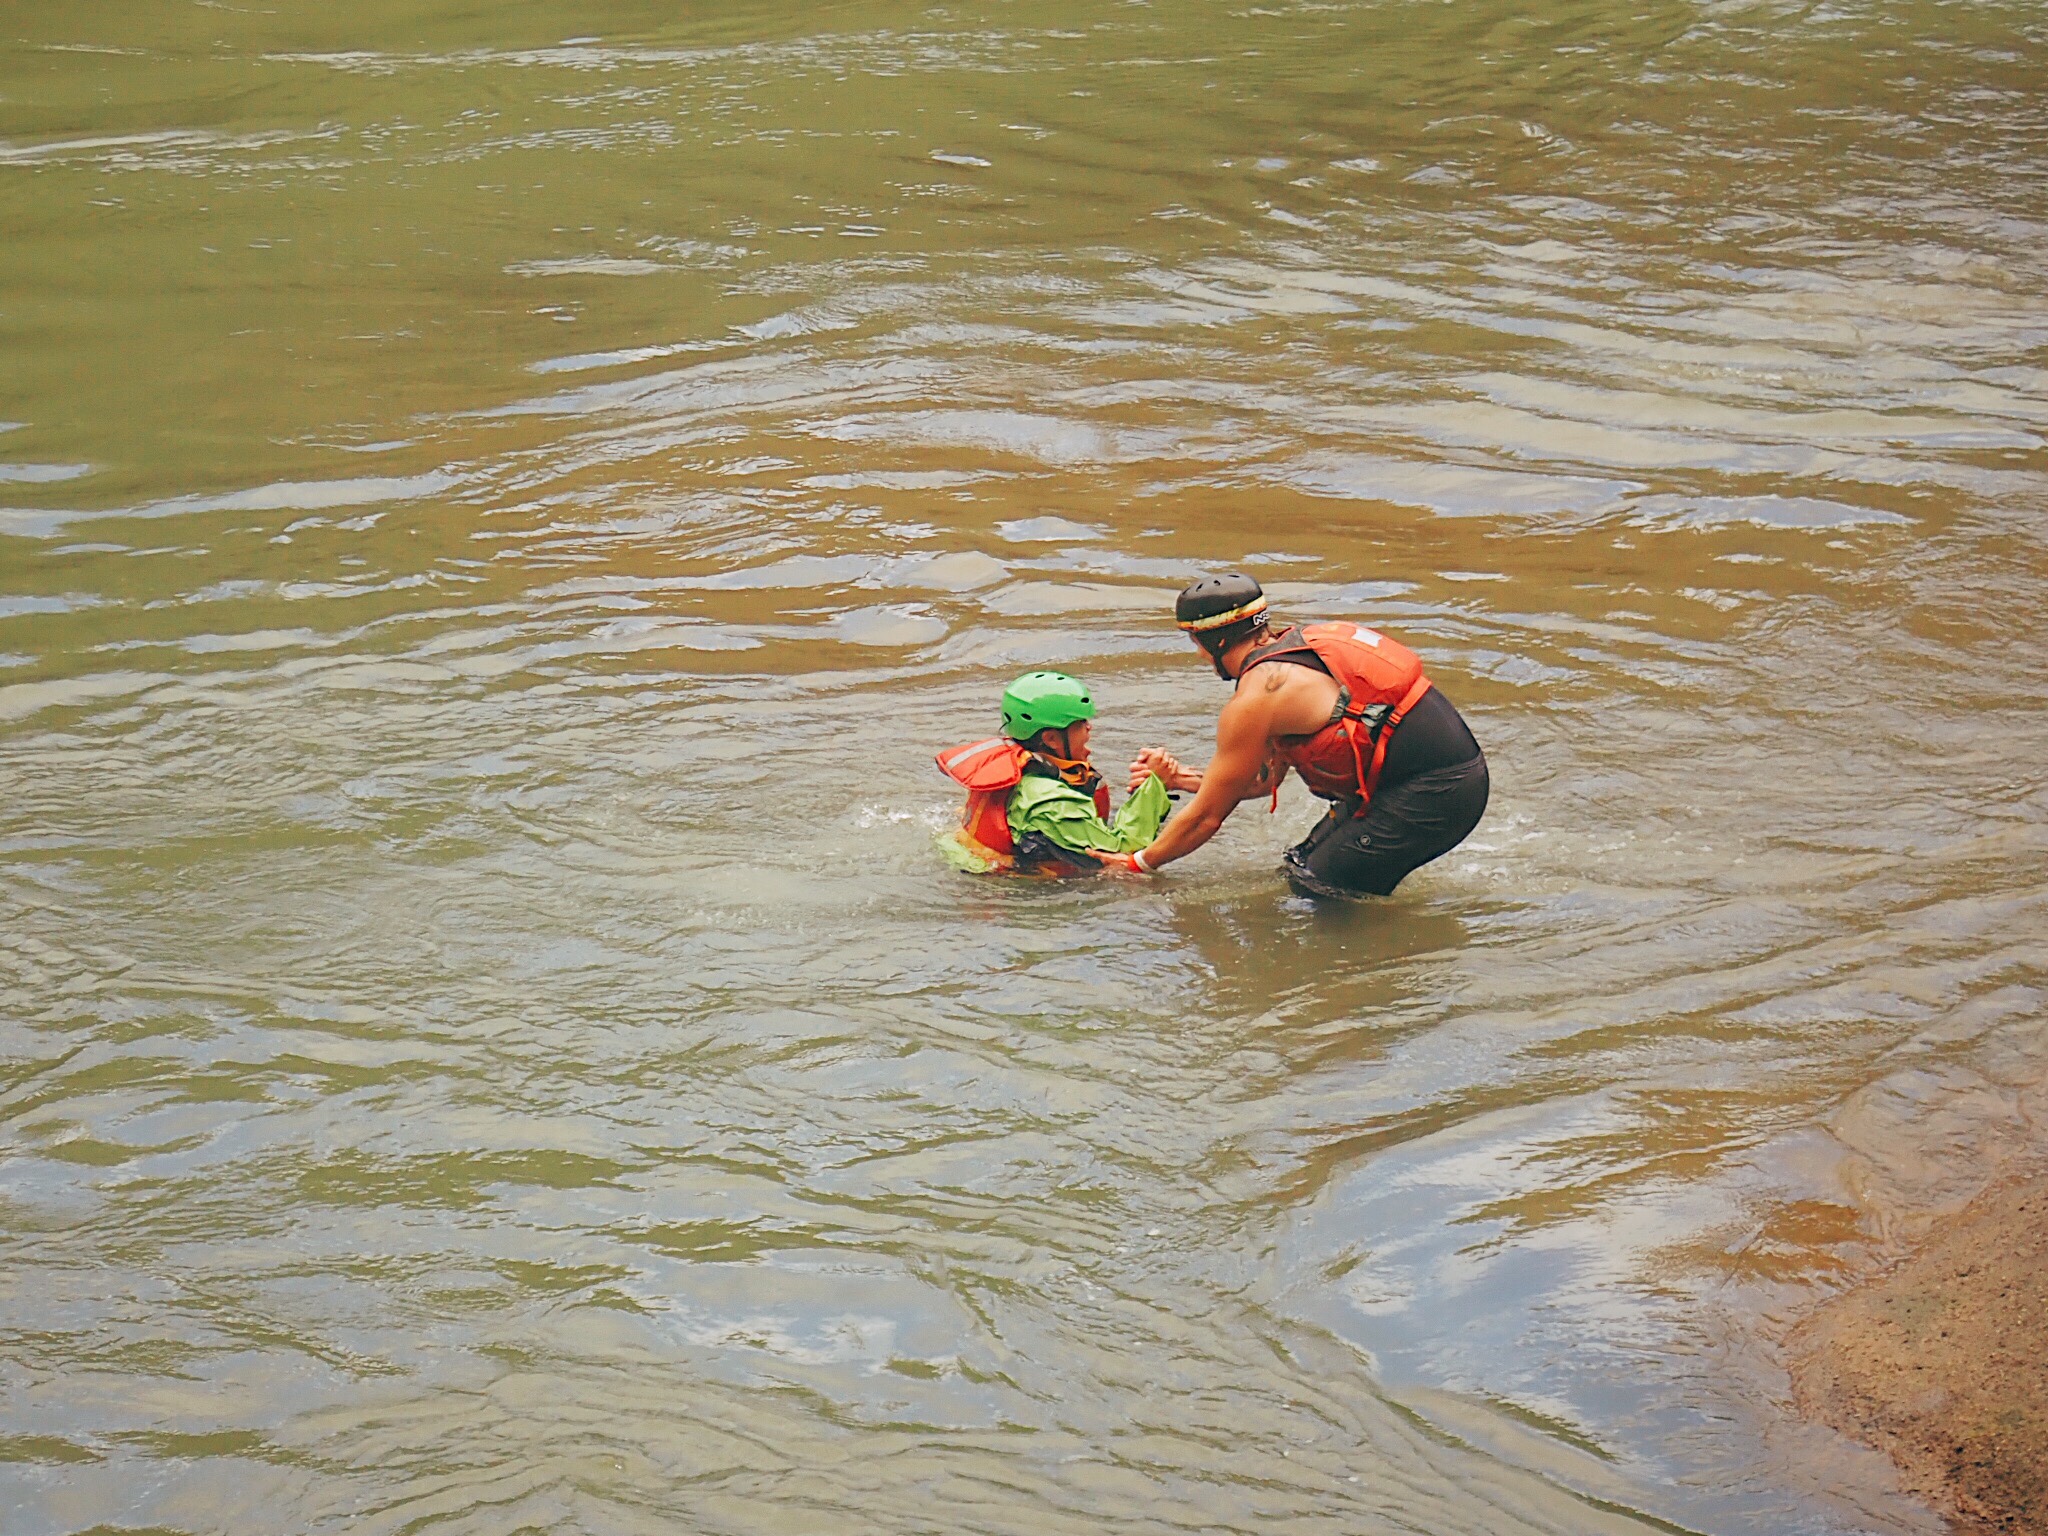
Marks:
<point>1068,818</point>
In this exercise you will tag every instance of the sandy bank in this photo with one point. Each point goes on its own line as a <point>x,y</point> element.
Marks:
<point>1942,1363</point>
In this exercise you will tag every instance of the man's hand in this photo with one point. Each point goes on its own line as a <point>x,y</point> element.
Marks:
<point>1118,863</point>
<point>1158,760</point>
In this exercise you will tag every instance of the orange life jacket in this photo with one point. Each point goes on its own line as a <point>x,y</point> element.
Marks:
<point>988,771</point>
<point>1378,681</point>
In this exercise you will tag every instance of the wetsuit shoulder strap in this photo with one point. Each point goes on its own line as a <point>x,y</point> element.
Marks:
<point>1289,645</point>
<point>1369,775</point>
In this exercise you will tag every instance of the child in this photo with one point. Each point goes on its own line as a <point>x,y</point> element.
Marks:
<point>1035,806</point>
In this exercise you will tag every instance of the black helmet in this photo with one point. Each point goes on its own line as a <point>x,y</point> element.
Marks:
<point>1217,601</point>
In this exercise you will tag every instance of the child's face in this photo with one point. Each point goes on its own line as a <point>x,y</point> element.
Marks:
<point>1077,741</point>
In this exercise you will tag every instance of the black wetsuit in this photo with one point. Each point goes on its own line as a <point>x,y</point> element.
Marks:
<point>1431,794</point>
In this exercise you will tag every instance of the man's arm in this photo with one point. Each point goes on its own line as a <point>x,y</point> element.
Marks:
<point>1158,762</point>
<point>1242,769</point>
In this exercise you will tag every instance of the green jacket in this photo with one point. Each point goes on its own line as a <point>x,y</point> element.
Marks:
<point>1067,817</point>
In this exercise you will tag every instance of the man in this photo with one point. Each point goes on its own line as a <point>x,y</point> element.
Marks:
<point>1349,710</point>
<point>1035,805</point>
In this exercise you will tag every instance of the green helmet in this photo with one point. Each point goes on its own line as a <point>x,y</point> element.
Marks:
<point>1044,701</point>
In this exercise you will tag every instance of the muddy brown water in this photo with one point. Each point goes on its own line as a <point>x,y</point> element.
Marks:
<point>499,504</point>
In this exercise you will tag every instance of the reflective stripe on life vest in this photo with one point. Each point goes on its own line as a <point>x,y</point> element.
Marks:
<point>996,763</point>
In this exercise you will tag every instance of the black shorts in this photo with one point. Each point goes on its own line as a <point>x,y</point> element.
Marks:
<point>1406,825</point>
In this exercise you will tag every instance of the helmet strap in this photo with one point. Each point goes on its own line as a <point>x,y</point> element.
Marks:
<point>1042,742</point>
<point>1213,642</point>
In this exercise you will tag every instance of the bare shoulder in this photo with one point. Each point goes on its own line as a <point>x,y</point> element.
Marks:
<point>1287,700</point>
<point>1260,699</point>
<point>1249,709</point>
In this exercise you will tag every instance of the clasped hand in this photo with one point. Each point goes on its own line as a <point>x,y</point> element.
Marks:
<point>1158,760</point>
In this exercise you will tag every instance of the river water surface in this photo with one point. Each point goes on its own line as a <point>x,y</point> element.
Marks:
<point>499,503</point>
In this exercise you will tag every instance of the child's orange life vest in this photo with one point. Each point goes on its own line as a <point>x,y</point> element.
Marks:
<point>988,771</point>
